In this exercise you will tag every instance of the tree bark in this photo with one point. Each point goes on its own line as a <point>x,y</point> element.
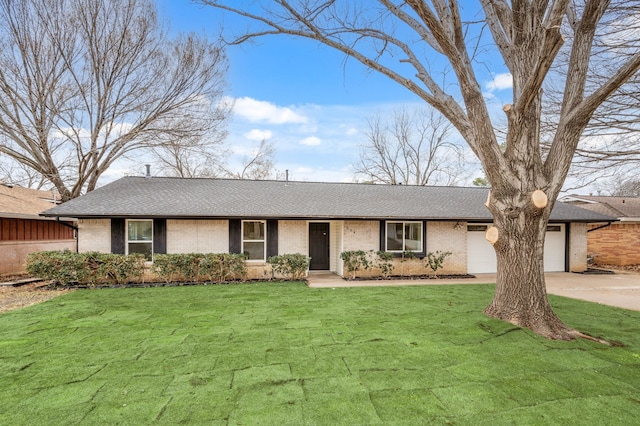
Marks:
<point>521,295</point>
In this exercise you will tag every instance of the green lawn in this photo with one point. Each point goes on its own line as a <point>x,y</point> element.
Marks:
<point>281,353</point>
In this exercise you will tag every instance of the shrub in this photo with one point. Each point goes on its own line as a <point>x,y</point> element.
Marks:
<point>217,267</point>
<point>291,266</point>
<point>165,266</point>
<point>91,268</point>
<point>178,266</point>
<point>61,267</point>
<point>122,269</point>
<point>385,263</point>
<point>223,267</point>
<point>355,260</point>
<point>435,260</point>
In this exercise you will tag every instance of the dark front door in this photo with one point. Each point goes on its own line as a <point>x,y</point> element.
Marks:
<point>319,246</point>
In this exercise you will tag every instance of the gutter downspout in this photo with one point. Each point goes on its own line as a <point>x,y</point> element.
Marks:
<point>600,227</point>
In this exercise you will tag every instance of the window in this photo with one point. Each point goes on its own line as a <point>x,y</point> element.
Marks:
<point>253,239</point>
<point>404,236</point>
<point>140,237</point>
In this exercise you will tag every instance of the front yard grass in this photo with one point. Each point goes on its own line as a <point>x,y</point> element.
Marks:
<point>281,353</point>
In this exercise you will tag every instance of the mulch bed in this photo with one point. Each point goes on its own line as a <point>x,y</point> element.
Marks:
<point>411,277</point>
<point>21,296</point>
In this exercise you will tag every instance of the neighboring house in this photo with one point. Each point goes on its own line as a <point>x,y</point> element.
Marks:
<point>265,218</point>
<point>23,231</point>
<point>616,243</point>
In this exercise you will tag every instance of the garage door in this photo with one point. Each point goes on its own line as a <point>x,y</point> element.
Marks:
<point>481,257</point>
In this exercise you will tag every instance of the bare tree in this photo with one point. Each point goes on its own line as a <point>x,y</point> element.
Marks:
<point>428,48</point>
<point>629,187</point>
<point>413,149</point>
<point>18,174</point>
<point>258,165</point>
<point>190,158</point>
<point>86,82</point>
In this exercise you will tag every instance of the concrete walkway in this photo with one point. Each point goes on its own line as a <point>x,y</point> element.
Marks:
<point>621,290</point>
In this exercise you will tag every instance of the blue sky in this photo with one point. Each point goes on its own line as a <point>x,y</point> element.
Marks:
<point>301,96</point>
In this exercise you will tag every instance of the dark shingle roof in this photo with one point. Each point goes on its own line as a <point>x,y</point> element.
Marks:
<point>218,198</point>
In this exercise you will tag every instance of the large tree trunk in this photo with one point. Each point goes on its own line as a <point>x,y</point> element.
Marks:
<point>521,294</point>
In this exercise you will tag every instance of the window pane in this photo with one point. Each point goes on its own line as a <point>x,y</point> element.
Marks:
<point>140,230</point>
<point>394,236</point>
<point>413,236</point>
<point>144,248</point>
<point>254,250</point>
<point>253,231</point>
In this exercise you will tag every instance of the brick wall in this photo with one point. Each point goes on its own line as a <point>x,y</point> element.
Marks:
<point>293,237</point>
<point>13,254</point>
<point>578,247</point>
<point>442,236</point>
<point>617,244</point>
<point>94,235</point>
<point>361,235</point>
<point>197,236</point>
<point>452,237</point>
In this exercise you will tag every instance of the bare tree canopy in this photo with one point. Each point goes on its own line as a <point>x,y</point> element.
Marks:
<point>626,188</point>
<point>413,148</point>
<point>257,165</point>
<point>190,157</point>
<point>439,49</point>
<point>86,82</point>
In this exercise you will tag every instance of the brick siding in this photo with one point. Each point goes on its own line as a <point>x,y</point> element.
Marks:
<point>94,235</point>
<point>197,236</point>
<point>293,237</point>
<point>212,236</point>
<point>451,237</point>
<point>617,244</point>
<point>441,236</point>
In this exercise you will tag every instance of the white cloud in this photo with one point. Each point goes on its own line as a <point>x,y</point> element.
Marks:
<point>266,112</point>
<point>311,141</point>
<point>258,135</point>
<point>500,82</point>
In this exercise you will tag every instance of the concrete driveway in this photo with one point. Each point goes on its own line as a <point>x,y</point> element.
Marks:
<point>621,290</point>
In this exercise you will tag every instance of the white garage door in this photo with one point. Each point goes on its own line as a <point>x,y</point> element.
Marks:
<point>481,258</point>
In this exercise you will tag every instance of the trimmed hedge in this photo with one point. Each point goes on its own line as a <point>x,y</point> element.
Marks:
<point>91,268</point>
<point>191,267</point>
<point>290,266</point>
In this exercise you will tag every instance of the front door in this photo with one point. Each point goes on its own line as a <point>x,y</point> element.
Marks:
<point>319,246</point>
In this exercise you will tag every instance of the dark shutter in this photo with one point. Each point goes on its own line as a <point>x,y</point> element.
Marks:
<point>160,236</point>
<point>235,236</point>
<point>117,236</point>
<point>424,238</point>
<point>567,247</point>
<point>383,236</point>
<point>272,238</point>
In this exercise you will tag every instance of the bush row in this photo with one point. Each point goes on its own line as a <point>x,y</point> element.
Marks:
<point>91,268</point>
<point>223,267</point>
<point>191,267</point>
